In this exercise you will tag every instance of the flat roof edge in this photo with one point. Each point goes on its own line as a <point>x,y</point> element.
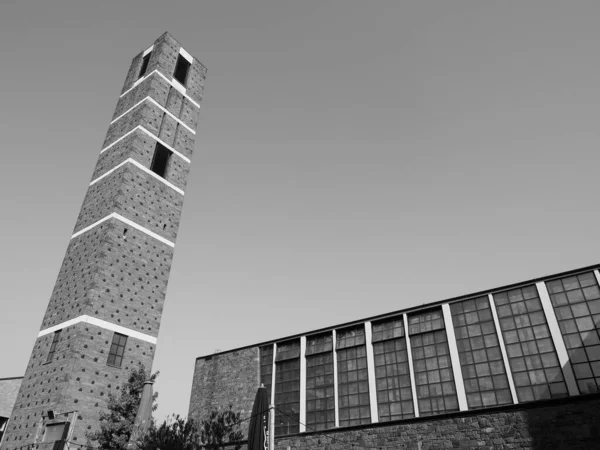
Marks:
<point>407,310</point>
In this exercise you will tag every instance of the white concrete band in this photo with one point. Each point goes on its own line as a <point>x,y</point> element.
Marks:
<point>411,369</point>
<point>511,383</point>
<point>128,222</point>
<point>177,85</point>
<point>559,343</point>
<point>162,108</point>
<point>302,384</point>
<point>102,324</point>
<point>458,379</point>
<point>335,382</point>
<point>371,372</point>
<point>186,55</point>
<point>145,169</point>
<point>172,82</point>
<point>148,50</point>
<point>163,143</point>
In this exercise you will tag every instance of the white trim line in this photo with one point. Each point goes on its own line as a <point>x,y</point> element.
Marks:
<point>102,324</point>
<point>138,165</point>
<point>456,369</point>
<point>128,222</point>
<point>335,382</point>
<point>302,384</point>
<point>148,50</point>
<point>171,82</point>
<point>559,344</point>
<point>371,372</point>
<point>177,85</point>
<point>511,383</point>
<point>186,55</point>
<point>163,109</point>
<point>141,128</point>
<point>413,385</point>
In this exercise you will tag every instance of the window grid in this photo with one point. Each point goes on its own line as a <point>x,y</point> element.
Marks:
<point>353,377</point>
<point>287,396</point>
<point>392,373</point>
<point>436,391</point>
<point>117,349</point>
<point>576,302</point>
<point>55,339</point>
<point>266,368</point>
<point>483,371</point>
<point>533,361</point>
<point>320,398</point>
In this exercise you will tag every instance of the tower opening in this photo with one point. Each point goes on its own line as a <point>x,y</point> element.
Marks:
<point>144,67</point>
<point>160,160</point>
<point>181,69</point>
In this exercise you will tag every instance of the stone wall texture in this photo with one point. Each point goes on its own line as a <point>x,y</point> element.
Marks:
<point>225,379</point>
<point>560,424</point>
<point>9,388</point>
<point>113,271</point>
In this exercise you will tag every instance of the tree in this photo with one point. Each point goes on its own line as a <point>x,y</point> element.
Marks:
<point>116,425</point>
<point>174,434</point>
<point>221,427</point>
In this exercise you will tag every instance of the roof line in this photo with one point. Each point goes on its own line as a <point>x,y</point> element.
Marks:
<point>410,309</point>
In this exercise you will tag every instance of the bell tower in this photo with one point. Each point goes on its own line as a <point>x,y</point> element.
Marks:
<point>104,313</point>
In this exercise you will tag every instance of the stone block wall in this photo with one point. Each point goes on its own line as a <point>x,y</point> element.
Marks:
<point>572,423</point>
<point>225,379</point>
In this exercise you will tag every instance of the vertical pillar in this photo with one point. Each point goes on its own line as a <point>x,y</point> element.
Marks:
<point>273,378</point>
<point>511,383</point>
<point>302,384</point>
<point>458,379</point>
<point>411,369</point>
<point>335,382</point>
<point>559,343</point>
<point>371,371</point>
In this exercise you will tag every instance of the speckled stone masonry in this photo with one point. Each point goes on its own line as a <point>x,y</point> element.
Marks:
<point>113,272</point>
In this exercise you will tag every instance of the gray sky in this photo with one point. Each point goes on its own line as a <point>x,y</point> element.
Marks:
<point>353,157</point>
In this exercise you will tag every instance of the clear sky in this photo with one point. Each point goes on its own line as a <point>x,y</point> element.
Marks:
<point>353,157</point>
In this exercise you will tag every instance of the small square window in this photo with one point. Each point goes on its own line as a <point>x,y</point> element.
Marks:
<point>181,69</point>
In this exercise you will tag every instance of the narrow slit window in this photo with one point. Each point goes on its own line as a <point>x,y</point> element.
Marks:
<point>181,69</point>
<point>160,160</point>
<point>117,349</point>
<point>144,67</point>
<point>53,346</point>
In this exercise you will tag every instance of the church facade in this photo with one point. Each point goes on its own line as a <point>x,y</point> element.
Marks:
<point>516,365</point>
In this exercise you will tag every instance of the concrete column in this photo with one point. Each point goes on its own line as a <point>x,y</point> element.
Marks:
<point>335,382</point>
<point>413,384</point>
<point>511,383</point>
<point>458,379</point>
<point>302,384</point>
<point>371,370</point>
<point>559,343</point>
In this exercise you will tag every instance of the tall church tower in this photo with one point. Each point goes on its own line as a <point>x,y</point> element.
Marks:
<point>104,314</point>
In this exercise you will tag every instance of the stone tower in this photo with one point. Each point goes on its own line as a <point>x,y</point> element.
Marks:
<point>104,314</point>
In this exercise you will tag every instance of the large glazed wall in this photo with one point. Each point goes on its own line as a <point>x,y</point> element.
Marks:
<point>223,380</point>
<point>558,424</point>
